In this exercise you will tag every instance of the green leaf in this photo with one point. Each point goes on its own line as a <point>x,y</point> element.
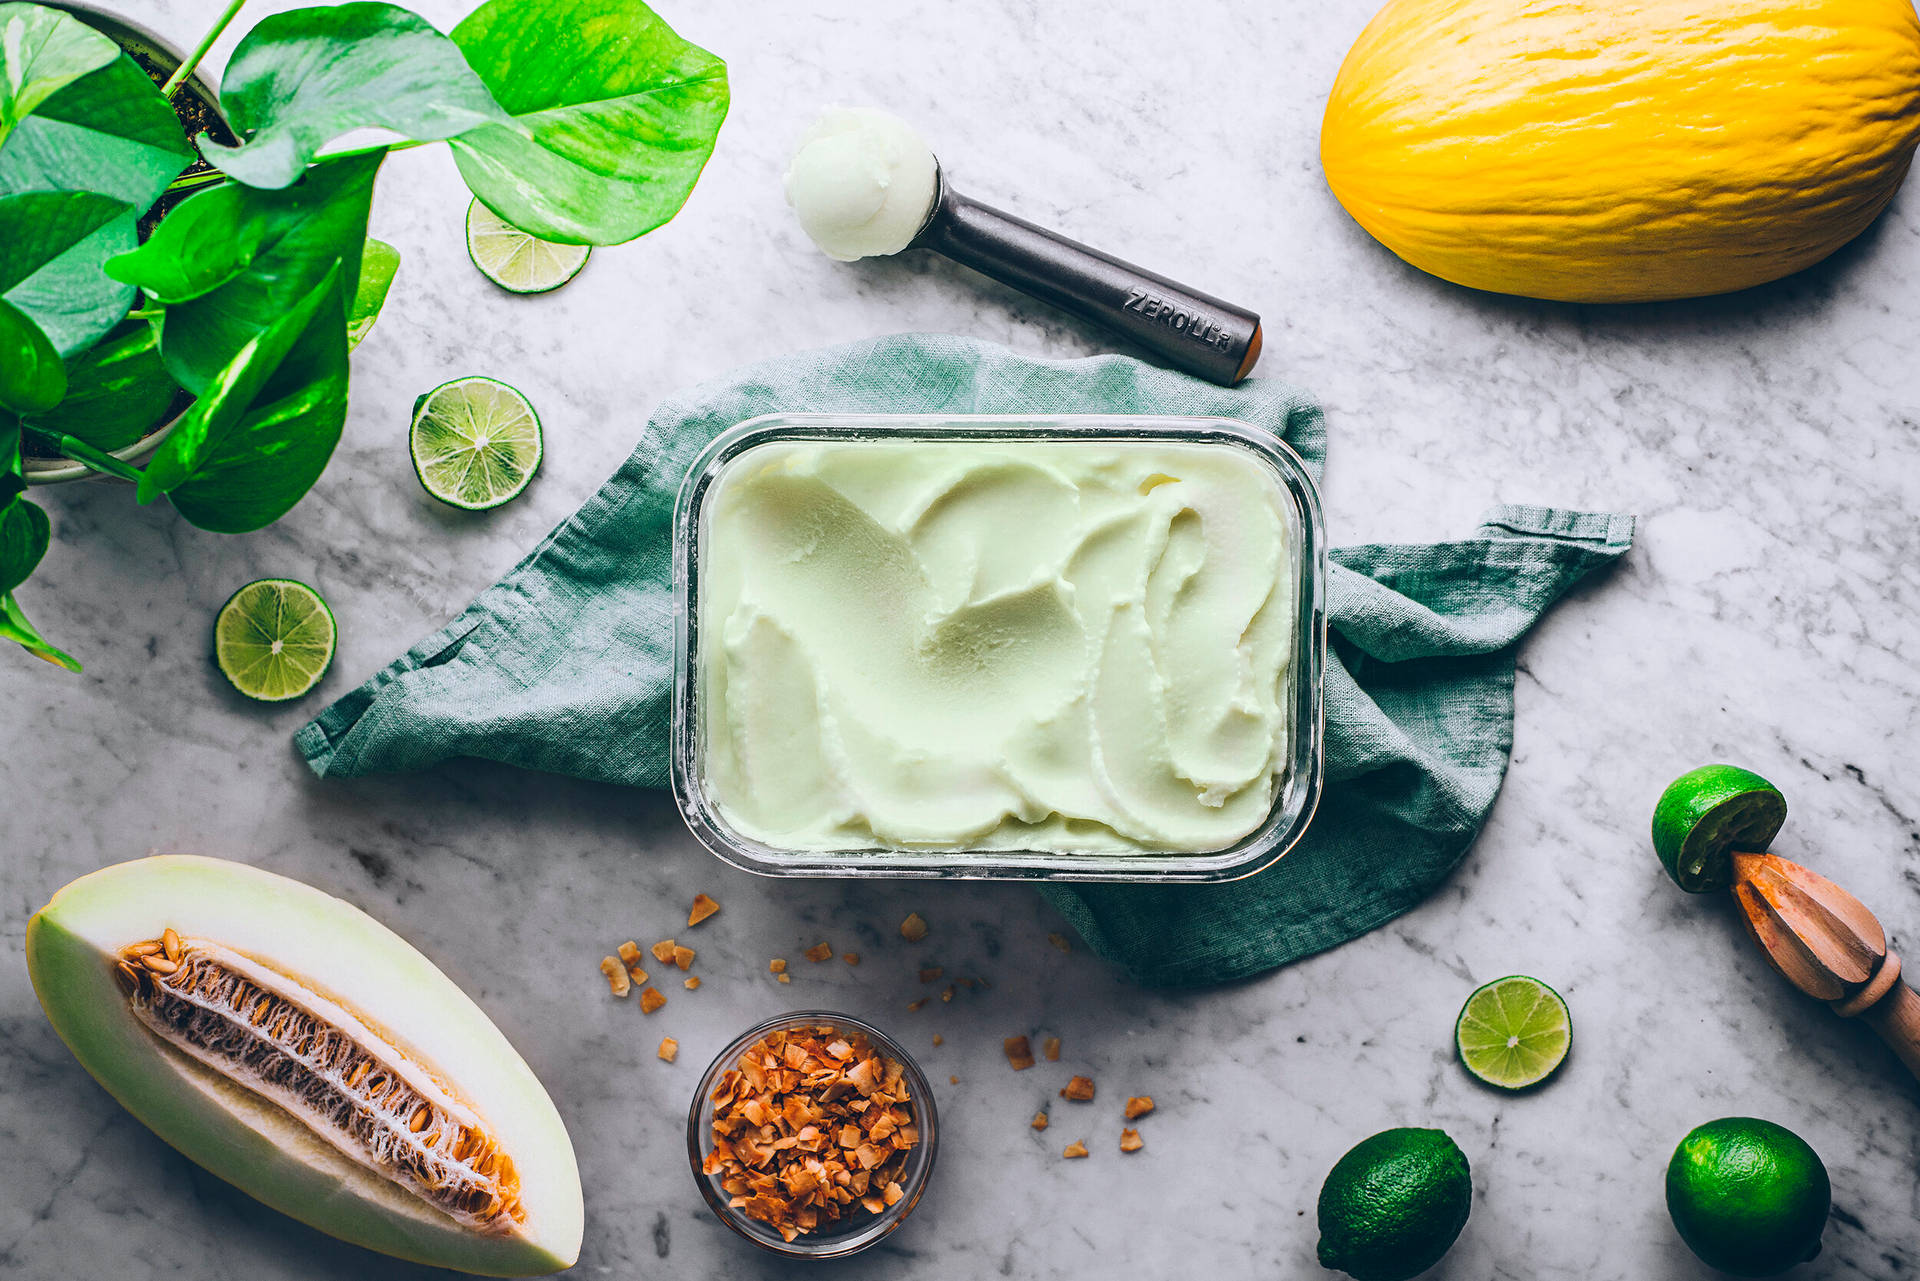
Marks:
<point>378,262</point>
<point>117,390</point>
<point>41,52</point>
<point>254,444</point>
<point>304,230</point>
<point>37,227</point>
<point>301,79</point>
<point>24,535</point>
<point>108,132</point>
<point>52,244</point>
<point>203,242</point>
<point>618,115</point>
<point>31,376</point>
<point>11,479</point>
<point>15,627</point>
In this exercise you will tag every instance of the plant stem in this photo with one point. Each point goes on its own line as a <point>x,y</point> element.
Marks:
<point>81,452</point>
<point>186,68</point>
<point>205,178</point>
<point>208,177</point>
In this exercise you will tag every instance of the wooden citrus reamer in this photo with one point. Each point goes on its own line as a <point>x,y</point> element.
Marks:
<point>1826,943</point>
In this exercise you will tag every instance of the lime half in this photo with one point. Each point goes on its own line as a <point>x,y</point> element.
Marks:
<point>515,261</point>
<point>1514,1032</point>
<point>274,639</point>
<point>1708,813</point>
<point>475,442</point>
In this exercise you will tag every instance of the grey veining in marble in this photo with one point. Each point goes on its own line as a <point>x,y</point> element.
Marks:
<point>1769,615</point>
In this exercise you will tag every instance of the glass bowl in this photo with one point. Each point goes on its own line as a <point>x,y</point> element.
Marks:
<point>859,1228</point>
<point>1297,783</point>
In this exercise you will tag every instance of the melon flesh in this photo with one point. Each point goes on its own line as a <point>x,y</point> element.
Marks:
<point>346,957</point>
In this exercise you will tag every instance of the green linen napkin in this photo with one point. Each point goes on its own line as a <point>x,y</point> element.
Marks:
<point>566,664</point>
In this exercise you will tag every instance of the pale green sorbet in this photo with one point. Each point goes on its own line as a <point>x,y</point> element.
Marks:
<point>1040,645</point>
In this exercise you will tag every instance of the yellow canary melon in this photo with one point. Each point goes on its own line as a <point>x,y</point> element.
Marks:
<point>1623,150</point>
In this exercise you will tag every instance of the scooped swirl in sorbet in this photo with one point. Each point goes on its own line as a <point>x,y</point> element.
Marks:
<point>972,644</point>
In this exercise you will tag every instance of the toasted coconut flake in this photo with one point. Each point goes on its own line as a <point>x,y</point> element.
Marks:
<point>1039,1120</point>
<point>669,1049</point>
<point>819,952</point>
<point>1019,1053</point>
<point>616,975</point>
<point>702,908</point>
<point>938,1039</point>
<point>683,957</point>
<point>1079,1089</point>
<point>1060,941</point>
<point>1130,1141</point>
<point>807,1124</point>
<point>953,1080</point>
<point>778,965</point>
<point>851,958</point>
<point>1051,1049</point>
<point>1075,1149</point>
<point>931,973</point>
<point>914,1005</point>
<point>691,982</point>
<point>1138,1106</point>
<point>947,995</point>
<point>914,928</point>
<point>651,999</point>
<point>663,951</point>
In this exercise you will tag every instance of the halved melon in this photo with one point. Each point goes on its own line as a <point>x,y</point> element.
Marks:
<point>308,1055</point>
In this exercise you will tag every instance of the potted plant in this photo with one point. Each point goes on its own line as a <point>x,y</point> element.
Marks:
<point>203,356</point>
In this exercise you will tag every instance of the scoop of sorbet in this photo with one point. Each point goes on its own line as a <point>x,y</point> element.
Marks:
<point>862,183</point>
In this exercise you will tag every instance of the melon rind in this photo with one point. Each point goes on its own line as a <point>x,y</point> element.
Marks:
<point>347,956</point>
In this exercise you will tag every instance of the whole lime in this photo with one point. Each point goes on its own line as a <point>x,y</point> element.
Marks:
<point>1708,813</point>
<point>1748,1196</point>
<point>1394,1204</point>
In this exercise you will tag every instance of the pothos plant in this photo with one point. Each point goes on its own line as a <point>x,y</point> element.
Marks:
<point>580,121</point>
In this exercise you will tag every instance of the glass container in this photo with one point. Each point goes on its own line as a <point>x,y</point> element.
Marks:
<point>1297,783</point>
<point>858,1228</point>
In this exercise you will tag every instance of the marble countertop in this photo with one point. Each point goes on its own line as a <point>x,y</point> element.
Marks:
<point>1769,615</point>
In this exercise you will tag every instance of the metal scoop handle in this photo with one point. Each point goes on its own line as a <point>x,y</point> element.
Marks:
<point>1193,331</point>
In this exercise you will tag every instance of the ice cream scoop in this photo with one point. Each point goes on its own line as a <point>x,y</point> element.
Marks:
<point>864,185</point>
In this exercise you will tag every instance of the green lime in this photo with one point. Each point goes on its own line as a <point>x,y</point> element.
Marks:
<point>475,442</point>
<point>274,639</point>
<point>1748,1196</point>
<point>1394,1204</point>
<point>1514,1032</point>
<point>515,261</point>
<point>1705,815</point>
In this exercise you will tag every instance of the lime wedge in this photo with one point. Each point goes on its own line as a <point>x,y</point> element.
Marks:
<point>475,442</point>
<point>274,639</point>
<point>1514,1032</point>
<point>1705,815</point>
<point>515,261</point>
